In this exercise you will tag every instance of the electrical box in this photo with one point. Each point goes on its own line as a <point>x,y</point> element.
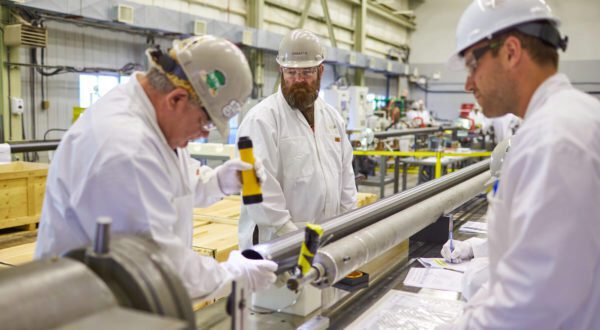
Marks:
<point>339,99</point>
<point>199,27</point>
<point>124,14</point>
<point>17,105</point>
<point>248,38</point>
<point>358,107</point>
<point>25,35</point>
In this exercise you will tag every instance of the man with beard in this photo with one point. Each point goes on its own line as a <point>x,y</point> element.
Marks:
<point>303,144</point>
<point>543,224</point>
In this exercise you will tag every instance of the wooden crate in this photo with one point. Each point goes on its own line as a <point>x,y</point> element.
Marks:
<point>215,240</point>
<point>22,189</point>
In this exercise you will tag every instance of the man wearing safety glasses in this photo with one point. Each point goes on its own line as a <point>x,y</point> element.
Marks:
<point>125,158</point>
<point>543,223</point>
<point>304,146</point>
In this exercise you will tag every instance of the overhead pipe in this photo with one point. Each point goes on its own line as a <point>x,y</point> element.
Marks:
<point>413,131</point>
<point>284,250</point>
<point>33,146</point>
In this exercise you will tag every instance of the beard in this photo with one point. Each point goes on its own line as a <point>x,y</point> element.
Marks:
<point>301,95</point>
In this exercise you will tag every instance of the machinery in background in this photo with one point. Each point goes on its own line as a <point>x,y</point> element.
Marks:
<point>121,283</point>
<point>358,107</point>
<point>339,99</point>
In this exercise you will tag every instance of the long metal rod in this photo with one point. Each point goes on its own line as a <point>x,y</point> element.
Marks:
<point>351,252</point>
<point>284,250</point>
<point>33,146</point>
<point>412,131</point>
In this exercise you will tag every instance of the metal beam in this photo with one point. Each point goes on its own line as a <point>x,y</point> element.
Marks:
<point>360,37</point>
<point>378,10</point>
<point>329,24</point>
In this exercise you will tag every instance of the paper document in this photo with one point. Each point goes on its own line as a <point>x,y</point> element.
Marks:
<point>442,264</point>
<point>405,310</point>
<point>5,153</point>
<point>474,227</point>
<point>434,278</point>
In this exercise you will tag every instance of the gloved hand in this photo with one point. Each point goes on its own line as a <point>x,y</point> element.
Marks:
<point>229,174</point>
<point>254,274</point>
<point>462,251</point>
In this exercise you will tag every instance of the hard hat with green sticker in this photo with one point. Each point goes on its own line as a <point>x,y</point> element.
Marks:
<point>215,80</point>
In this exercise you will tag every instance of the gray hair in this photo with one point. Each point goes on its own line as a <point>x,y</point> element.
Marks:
<point>162,84</point>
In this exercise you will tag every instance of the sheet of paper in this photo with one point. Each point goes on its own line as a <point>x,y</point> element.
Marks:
<point>434,278</point>
<point>405,310</point>
<point>474,227</point>
<point>442,264</point>
<point>4,153</point>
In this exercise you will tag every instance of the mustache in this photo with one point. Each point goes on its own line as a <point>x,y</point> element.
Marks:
<point>300,95</point>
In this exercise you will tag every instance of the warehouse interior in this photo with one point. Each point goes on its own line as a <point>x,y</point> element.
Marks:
<point>423,158</point>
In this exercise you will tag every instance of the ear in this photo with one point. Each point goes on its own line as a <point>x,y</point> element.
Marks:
<point>513,51</point>
<point>321,68</point>
<point>176,96</point>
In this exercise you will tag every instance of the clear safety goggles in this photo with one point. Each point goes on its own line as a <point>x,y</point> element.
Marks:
<point>208,126</point>
<point>300,72</point>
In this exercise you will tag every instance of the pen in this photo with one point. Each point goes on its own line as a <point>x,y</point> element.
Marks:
<point>450,233</point>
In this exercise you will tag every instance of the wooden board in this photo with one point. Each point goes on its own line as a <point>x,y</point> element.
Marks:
<point>17,255</point>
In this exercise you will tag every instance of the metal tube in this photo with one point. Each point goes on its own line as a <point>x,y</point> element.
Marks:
<point>284,250</point>
<point>412,131</point>
<point>349,253</point>
<point>34,146</point>
<point>102,241</point>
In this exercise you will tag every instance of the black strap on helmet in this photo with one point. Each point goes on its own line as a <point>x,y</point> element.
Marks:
<point>545,31</point>
<point>167,63</point>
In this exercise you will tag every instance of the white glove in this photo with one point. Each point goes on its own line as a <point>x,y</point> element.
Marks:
<point>253,274</point>
<point>462,251</point>
<point>229,175</point>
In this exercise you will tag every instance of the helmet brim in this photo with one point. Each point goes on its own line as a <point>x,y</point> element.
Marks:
<point>299,64</point>
<point>456,62</point>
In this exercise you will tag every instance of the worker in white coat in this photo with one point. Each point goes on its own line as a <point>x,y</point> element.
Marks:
<point>125,158</point>
<point>475,249</point>
<point>543,230</point>
<point>303,143</point>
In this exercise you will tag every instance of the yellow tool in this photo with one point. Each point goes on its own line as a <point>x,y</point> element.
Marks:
<point>251,193</point>
<point>309,247</point>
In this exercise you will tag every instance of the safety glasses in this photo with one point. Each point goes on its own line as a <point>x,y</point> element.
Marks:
<point>472,63</point>
<point>209,126</point>
<point>300,72</point>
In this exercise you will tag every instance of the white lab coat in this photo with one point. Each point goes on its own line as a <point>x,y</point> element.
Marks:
<point>310,175</point>
<point>505,126</point>
<point>114,161</point>
<point>544,229</point>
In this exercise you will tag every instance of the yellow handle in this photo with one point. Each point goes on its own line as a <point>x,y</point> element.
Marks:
<point>251,192</point>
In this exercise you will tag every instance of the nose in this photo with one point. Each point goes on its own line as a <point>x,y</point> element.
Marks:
<point>469,84</point>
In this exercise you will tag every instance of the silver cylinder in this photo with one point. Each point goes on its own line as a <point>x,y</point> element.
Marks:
<point>340,258</point>
<point>45,294</point>
<point>284,250</point>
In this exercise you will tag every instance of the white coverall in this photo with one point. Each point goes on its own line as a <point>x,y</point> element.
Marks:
<point>115,162</point>
<point>543,223</point>
<point>310,175</point>
<point>504,126</point>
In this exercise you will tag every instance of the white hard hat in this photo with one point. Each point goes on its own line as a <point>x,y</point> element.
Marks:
<point>216,69</point>
<point>300,49</point>
<point>484,18</point>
